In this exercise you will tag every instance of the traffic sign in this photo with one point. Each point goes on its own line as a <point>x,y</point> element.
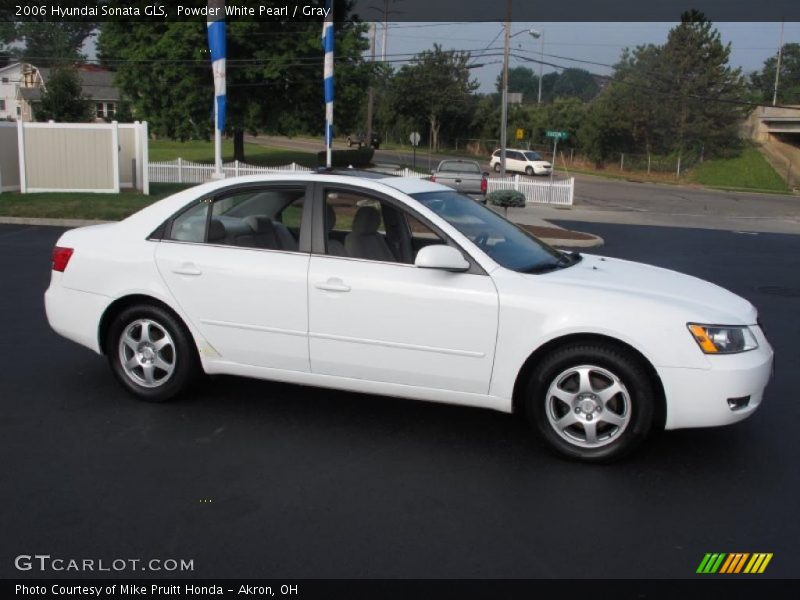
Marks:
<point>520,134</point>
<point>558,135</point>
<point>414,138</point>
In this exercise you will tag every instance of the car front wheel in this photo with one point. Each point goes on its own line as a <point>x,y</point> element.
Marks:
<point>591,402</point>
<point>497,167</point>
<point>151,353</point>
<point>529,171</point>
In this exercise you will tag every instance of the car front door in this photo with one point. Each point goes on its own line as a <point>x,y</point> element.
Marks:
<point>374,316</point>
<point>237,265</point>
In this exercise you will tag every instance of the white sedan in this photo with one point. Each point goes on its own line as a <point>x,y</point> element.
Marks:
<point>403,287</point>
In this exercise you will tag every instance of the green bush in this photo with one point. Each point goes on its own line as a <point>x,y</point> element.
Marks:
<point>506,198</point>
<point>362,157</point>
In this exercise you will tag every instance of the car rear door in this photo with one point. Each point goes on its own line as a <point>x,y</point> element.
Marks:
<point>243,283</point>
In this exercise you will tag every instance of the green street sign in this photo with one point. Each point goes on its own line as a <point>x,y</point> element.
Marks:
<point>559,135</point>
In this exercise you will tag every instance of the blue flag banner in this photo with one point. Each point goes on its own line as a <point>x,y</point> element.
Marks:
<point>218,49</point>
<point>327,44</point>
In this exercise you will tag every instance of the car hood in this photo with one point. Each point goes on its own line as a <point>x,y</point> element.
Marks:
<point>700,299</point>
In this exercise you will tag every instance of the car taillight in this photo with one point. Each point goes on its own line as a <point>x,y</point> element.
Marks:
<point>61,258</point>
<point>484,185</point>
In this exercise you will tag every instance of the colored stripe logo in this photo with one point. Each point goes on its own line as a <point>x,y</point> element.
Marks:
<point>734,563</point>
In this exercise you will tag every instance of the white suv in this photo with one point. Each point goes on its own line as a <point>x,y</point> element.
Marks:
<point>522,161</point>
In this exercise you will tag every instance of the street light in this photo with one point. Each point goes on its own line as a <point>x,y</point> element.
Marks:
<point>504,101</point>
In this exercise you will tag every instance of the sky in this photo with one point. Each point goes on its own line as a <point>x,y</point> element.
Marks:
<point>751,43</point>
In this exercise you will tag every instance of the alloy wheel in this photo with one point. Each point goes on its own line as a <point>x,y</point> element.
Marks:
<point>147,353</point>
<point>588,406</point>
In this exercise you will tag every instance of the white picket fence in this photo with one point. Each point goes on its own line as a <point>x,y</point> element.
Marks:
<point>186,171</point>
<point>559,191</point>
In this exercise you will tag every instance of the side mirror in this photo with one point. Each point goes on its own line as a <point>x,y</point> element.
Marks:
<point>440,256</point>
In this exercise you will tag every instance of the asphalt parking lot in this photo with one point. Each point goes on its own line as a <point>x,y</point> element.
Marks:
<point>257,479</point>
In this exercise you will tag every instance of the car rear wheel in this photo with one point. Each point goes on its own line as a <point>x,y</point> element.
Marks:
<point>529,171</point>
<point>591,402</point>
<point>151,353</point>
<point>349,143</point>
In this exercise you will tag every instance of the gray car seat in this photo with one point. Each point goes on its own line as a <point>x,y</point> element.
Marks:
<point>335,247</point>
<point>365,241</point>
<point>262,234</point>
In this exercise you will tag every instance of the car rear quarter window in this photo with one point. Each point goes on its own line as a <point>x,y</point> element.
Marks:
<point>190,225</point>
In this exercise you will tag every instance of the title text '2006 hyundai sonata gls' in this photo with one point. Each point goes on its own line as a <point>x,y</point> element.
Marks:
<point>403,287</point>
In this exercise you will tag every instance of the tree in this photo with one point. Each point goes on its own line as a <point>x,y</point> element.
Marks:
<point>682,96</point>
<point>763,81</point>
<point>63,99</point>
<point>436,86</point>
<point>51,43</point>
<point>274,74</point>
<point>575,83</point>
<point>521,80</point>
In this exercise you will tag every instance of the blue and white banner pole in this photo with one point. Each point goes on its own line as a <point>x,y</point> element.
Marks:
<point>327,44</point>
<point>218,48</point>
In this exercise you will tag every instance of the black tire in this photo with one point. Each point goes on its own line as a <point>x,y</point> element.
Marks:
<point>349,143</point>
<point>497,167</point>
<point>529,171</point>
<point>182,359</point>
<point>636,385</point>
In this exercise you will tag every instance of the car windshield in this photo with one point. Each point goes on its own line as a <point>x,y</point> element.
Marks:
<point>508,245</point>
<point>531,155</point>
<point>459,167</point>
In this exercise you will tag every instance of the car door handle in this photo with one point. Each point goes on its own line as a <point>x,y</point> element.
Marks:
<point>187,269</point>
<point>332,285</point>
<point>458,181</point>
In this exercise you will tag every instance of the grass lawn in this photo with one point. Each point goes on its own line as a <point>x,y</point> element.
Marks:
<point>750,170</point>
<point>71,205</point>
<point>200,151</point>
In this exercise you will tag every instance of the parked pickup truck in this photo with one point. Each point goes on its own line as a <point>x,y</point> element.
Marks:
<point>360,139</point>
<point>462,175</point>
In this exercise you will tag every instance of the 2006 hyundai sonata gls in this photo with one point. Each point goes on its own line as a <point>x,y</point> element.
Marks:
<point>403,287</point>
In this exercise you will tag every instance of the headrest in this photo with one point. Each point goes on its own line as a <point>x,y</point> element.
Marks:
<point>216,230</point>
<point>330,218</point>
<point>367,220</point>
<point>259,223</point>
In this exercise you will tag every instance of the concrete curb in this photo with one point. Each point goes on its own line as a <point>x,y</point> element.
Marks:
<point>50,222</point>
<point>567,243</point>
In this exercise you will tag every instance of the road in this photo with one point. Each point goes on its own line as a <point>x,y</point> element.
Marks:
<point>259,479</point>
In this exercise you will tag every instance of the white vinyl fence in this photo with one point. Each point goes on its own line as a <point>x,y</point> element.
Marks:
<point>73,157</point>
<point>560,191</point>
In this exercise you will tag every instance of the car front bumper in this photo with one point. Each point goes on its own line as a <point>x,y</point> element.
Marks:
<point>703,397</point>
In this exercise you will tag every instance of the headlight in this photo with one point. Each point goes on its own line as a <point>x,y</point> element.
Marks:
<point>723,339</point>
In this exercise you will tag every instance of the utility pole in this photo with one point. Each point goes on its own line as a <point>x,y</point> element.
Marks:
<point>778,69</point>
<point>385,29</point>
<point>541,68</point>
<point>371,96</point>
<point>504,100</point>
